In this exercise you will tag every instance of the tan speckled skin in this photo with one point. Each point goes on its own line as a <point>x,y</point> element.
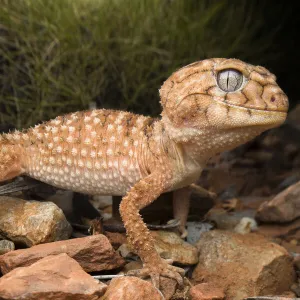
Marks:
<point>119,153</point>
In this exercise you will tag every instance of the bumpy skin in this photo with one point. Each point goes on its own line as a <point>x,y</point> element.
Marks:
<point>119,153</point>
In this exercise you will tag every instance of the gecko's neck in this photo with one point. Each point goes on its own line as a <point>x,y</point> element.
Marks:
<point>202,144</point>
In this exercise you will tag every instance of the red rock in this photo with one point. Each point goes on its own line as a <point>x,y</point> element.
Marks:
<point>131,288</point>
<point>56,277</point>
<point>284,207</point>
<point>242,264</point>
<point>93,253</point>
<point>206,291</point>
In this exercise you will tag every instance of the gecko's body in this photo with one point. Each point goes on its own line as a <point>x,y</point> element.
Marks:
<point>208,107</point>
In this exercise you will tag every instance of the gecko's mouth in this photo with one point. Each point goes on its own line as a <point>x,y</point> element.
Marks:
<point>258,109</point>
<point>257,117</point>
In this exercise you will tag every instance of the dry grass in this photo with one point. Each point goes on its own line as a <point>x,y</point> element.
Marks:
<point>62,55</point>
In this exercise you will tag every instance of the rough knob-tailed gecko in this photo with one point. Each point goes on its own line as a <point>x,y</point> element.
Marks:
<point>208,107</point>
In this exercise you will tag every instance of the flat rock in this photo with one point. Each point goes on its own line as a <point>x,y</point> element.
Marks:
<point>277,230</point>
<point>6,246</point>
<point>93,253</point>
<point>131,288</point>
<point>243,265</point>
<point>56,277</point>
<point>170,246</point>
<point>206,291</point>
<point>32,222</point>
<point>284,207</point>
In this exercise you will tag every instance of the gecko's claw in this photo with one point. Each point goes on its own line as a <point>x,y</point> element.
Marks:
<point>162,269</point>
<point>183,232</point>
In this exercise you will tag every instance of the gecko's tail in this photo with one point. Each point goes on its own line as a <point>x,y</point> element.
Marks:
<point>10,159</point>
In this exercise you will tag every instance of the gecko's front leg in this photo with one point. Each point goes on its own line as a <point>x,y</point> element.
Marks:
<point>142,194</point>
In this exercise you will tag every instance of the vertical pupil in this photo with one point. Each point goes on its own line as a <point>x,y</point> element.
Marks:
<point>228,80</point>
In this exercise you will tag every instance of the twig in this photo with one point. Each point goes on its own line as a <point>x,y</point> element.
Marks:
<point>107,277</point>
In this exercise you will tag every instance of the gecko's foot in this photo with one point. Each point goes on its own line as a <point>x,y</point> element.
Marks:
<point>156,270</point>
<point>183,231</point>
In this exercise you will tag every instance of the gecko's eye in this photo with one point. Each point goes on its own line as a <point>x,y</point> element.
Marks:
<point>229,80</point>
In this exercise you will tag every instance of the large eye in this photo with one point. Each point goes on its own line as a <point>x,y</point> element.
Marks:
<point>229,80</point>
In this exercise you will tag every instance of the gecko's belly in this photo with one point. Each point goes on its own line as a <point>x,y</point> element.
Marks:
<point>110,181</point>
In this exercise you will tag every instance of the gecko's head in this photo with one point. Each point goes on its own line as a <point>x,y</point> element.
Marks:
<point>223,94</point>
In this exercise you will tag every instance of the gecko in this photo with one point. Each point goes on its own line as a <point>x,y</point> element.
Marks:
<point>208,107</point>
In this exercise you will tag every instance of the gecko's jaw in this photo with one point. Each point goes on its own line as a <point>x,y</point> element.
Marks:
<point>239,116</point>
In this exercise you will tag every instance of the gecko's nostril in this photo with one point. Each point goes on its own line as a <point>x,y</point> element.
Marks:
<point>273,99</point>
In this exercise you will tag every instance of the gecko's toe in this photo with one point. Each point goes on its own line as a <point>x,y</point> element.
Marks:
<point>173,274</point>
<point>163,269</point>
<point>155,279</point>
<point>183,232</point>
<point>178,270</point>
<point>144,272</point>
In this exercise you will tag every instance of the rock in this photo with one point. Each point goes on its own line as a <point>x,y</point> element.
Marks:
<point>276,230</point>
<point>126,252</point>
<point>54,277</point>
<point>291,247</point>
<point>131,288</point>
<point>116,238</point>
<point>246,225</point>
<point>259,156</point>
<point>195,230</point>
<point>32,222</point>
<point>6,246</point>
<point>296,288</point>
<point>133,265</point>
<point>243,265</point>
<point>286,296</point>
<point>167,285</point>
<point>206,291</point>
<point>231,204</point>
<point>170,246</point>
<point>238,221</point>
<point>284,207</point>
<point>253,202</point>
<point>297,262</point>
<point>93,253</point>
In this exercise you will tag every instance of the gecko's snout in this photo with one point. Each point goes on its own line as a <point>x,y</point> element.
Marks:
<point>278,102</point>
<point>273,98</point>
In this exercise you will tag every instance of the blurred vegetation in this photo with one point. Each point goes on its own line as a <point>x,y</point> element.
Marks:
<point>62,55</point>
